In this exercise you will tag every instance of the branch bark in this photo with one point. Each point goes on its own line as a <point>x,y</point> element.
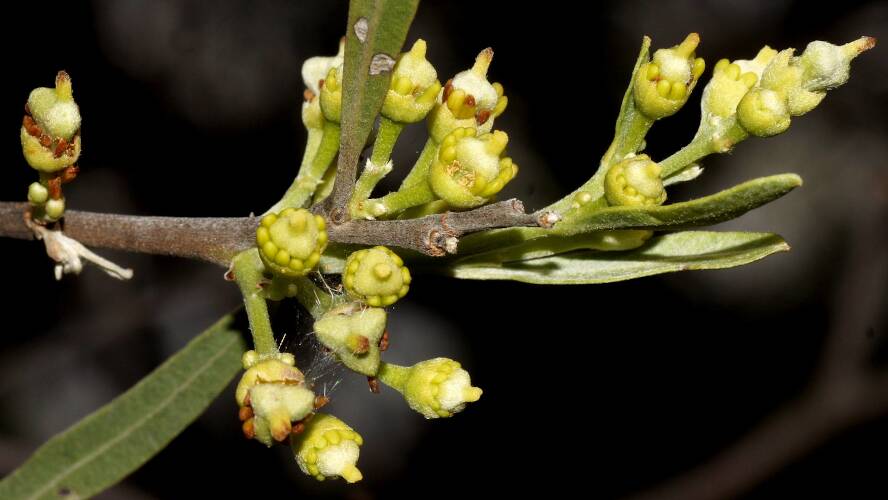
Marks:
<point>218,240</point>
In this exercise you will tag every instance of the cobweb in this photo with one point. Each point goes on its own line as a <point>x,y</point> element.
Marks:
<point>323,372</point>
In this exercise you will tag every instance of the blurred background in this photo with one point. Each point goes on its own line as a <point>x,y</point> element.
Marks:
<point>192,109</point>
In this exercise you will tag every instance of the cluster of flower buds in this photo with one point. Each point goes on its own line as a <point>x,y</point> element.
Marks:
<point>272,396</point>
<point>634,181</point>
<point>291,242</point>
<point>469,169</point>
<point>662,85</point>
<point>792,86</point>
<point>435,388</point>
<point>50,136</point>
<point>414,87</point>
<point>468,100</point>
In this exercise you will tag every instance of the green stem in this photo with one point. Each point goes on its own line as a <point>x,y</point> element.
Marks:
<point>394,376</point>
<point>386,137</point>
<point>314,299</point>
<point>703,145</point>
<point>420,170</point>
<point>400,200</point>
<point>325,188</point>
<point>248,270</point>
<point>311,173</point>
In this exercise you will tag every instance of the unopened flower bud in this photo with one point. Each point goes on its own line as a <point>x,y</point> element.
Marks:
<point>731,81</point>
<point>414,87</point>
<point>763,112</point>
<point>634,181</point>
<point>468,100</point>
<point>663,85</point>
<point>469,170</point>
<point>352,332</point>
<point>435,388</point>
<point>274,392</point>
<point>328,448</point>
<point>376,276</point>
<point>291,242</point>
<point>50,132</point>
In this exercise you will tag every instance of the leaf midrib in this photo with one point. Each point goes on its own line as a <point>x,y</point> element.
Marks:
<point>139,423</point>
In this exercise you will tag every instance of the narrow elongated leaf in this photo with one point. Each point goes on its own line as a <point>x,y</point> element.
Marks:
<point>666,253</point>
<point>107,445</point>
<point>375,34</point>
<point>719,207</point>
<point>722,206</point>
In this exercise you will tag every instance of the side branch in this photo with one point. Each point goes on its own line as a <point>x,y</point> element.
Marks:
<point>218,240</point>
<point>211,239</point>
<point>437,235</point>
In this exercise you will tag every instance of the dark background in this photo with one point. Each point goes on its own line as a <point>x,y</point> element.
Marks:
<point>192,108</point>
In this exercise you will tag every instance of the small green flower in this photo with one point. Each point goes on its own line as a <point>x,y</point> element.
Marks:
<point>291,242</point>
<point>663,85</point>
<point>468,100</point>
<point>435,388</point>
<point>352,332</point>
<point>414,87</point>
<point>469,170</point>
<point>635,181</point>
<point>272,395</point>
<point>376,276</point>
<point>50,132</point>
<point>328,448</point>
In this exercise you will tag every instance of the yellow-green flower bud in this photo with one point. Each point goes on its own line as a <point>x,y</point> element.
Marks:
<point>54,209</point>
<point>663,85</point>
<point>468,100</point>
<point>315,69</point>
<point>291,242</point>
<point>469,170</point>
<point>435,388</point>
<point>763,112</point>
<point>352,332</point>
<point>784,76</point>
<point>826,66</point>
<point>635,181</point>
<point>328,448</point>
<point>731,81</point>
<point>331,95</point>
<point>376,276</point>
<point>37,193</point>
<point>272,395</point>
<point>50,132</point>
<point>414,87</point>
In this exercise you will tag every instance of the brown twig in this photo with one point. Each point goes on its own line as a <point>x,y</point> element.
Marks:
<point>218,240</point>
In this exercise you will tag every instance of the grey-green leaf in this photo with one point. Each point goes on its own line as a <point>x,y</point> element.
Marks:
<point>712,209</point>
<point>109,444</point>
<point>375,34</point>
<point>684,251</point>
